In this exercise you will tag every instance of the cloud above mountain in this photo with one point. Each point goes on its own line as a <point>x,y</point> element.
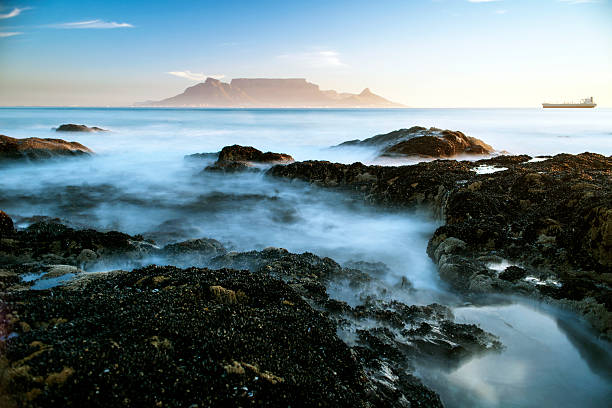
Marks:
<point>194,76</point>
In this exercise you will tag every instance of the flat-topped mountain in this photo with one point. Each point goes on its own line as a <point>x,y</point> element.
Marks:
<point>270,93</point>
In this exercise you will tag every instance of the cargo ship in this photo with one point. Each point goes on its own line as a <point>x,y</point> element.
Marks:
<point>584,103</point>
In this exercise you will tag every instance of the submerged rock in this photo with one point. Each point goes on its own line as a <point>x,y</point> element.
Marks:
<point>236,158</point>
<point>71,127</point>
<point>34,148</point>
<point>423,142</point>
<point>202,156</point>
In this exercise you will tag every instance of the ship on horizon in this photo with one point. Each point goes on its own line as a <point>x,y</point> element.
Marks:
<point>584,103</point>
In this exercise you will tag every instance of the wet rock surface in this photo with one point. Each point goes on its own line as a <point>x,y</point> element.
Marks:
<point>237,158</point>
<point>389,337</point>
<point>177,337</point>
<point>71,127</point>
<point>48,242</point>
<point>6,224</point>
<point>422,142</point>
<point>552,218</point>
<point>34,148</point>
<point>171,337</point>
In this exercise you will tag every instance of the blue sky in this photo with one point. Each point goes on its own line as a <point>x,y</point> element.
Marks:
<point>421,53</point>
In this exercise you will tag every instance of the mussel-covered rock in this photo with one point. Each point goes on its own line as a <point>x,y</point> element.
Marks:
<point>174,338</point>
<point>553,217</point>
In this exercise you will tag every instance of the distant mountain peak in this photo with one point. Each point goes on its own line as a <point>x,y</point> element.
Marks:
<point>270,93</point>
<point>210,80</point>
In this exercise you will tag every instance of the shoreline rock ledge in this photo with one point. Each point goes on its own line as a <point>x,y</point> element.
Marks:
<point>34,148</point>
<point>258,328</point>
<point>552,219</point>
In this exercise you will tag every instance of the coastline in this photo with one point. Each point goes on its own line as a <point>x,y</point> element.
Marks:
<point>487,223</point>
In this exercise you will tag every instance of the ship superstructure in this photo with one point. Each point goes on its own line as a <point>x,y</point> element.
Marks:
<point>584,103</point>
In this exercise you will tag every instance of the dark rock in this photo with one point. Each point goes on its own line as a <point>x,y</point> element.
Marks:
<point>161,326</point>
<point>505,160</point>
<point>513,273</point>
<point>34,148</point>
<point>6,225</point>
<point>423,142</point>
<point>170,337</point>
<point>553,217</point>
<point>71,127</point>
<point>388,139</point>
<point>250,154</point>
<point>47,240</point>
<point>237,158</point>
<point>193,251</point>
<point>202,156</point>
<point>444,144</point>
<point>230,167</point>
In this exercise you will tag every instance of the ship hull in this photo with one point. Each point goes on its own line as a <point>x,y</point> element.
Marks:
<point>569,105</point>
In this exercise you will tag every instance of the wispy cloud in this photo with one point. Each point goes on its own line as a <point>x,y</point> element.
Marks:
<point>317,59</point>
<point>5,34</point>
<point>194,76</point>
<point>482,1</point>
<point>501,11</point>
<point>14,13</point>
<point>92,24</point>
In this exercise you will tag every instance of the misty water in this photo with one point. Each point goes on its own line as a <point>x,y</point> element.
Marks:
<point>140,183</point>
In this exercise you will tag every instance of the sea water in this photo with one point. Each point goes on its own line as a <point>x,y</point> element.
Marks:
<point>140,183</point>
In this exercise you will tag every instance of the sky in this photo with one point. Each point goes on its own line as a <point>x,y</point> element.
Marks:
<point>422,53</point>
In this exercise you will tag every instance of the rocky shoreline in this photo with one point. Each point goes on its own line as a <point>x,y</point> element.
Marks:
<point>551,219</point>
<point>261,328</point>
<point>258,327</point>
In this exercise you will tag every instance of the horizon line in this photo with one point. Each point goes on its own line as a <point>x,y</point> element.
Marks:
<point>288,107</point>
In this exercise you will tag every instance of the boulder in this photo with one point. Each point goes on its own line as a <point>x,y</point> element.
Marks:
<point>193,251</point>
<point>439,144</point>
<point>34,148</point>
<point>236,158</point>
<point>71,127</point>
<point>250,154</point>
<point>422,142</point>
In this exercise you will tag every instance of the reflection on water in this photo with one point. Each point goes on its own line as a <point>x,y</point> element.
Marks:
<point>540,365</point>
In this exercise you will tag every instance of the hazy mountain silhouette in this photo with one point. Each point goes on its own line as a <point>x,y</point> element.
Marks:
<point>268,93</point>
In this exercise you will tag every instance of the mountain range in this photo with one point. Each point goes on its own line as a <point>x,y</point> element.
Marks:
<point>270,93</point>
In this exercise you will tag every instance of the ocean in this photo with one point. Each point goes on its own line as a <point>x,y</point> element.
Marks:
<point>140,183</point>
